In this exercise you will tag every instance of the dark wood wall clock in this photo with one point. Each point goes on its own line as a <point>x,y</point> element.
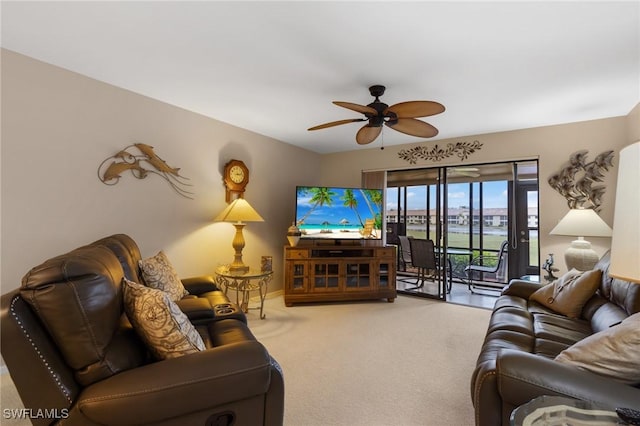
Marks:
<point>236,178</point>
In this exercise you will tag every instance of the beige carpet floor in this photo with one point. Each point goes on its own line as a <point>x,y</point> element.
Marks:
<point>366,363</point>
<point>375,363</point>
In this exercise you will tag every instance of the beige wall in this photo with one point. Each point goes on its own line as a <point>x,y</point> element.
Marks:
<point>58,126</point>
<point>552,145</point>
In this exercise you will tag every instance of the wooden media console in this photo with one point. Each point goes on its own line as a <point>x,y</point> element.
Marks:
<point>326,273</point>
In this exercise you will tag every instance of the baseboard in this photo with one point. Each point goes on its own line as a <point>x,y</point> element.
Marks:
<point>268,296</point>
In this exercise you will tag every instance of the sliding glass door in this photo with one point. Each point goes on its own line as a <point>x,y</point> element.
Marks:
<point>526,225</point>
<point>469,212</point>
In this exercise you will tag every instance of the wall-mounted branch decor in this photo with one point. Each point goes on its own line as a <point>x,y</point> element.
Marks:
<point>575,181</point>
<point>140,165</point>
<point>461,149</point>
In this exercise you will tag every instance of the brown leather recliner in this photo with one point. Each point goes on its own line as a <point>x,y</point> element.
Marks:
<point>516,363</point>
<point>76,360</point>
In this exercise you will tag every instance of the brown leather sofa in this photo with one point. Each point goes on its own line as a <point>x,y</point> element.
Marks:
<point>516,363</point>
<point>76,359</point>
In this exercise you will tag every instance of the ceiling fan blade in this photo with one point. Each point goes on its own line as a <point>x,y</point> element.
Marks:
<point>336,123</point>
<point>413,127</point>
<point>367,134</point>
<point>413,109</point>
<point>355,107</point>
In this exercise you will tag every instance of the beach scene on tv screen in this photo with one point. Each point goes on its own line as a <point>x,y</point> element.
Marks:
<point>339,213</point>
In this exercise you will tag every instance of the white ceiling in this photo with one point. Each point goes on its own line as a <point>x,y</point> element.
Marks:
<point>275,67</point>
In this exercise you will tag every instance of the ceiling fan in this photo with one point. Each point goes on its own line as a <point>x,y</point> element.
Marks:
<point>400,117</point>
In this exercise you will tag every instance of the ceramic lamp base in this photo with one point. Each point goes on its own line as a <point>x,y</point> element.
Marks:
<point>580,256</point>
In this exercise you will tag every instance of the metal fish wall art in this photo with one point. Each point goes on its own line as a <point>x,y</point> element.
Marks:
<point>576,182</point>
<point>141,165</point>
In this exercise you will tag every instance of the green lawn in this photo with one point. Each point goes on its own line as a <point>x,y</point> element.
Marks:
<point>491,242</point>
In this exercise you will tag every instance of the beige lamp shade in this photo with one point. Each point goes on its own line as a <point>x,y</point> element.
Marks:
<point>581,223</point>
<point>625,243</point>
<point>238,212</point>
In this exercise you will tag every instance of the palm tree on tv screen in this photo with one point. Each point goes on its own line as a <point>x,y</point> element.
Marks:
<point>320,196</point>
<point>351,202</point>
<point>374,196</point>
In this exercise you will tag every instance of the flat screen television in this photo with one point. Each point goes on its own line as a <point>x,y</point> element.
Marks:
<point>339,213</point>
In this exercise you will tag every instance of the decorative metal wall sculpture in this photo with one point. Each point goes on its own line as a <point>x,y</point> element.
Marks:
<point>461,149</point>
<point>138,164</point>
<point>575,181</point>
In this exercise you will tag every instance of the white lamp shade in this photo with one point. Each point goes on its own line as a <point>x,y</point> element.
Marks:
<point>239,211</point>
<point>582,223</point>
<point>625,243</point>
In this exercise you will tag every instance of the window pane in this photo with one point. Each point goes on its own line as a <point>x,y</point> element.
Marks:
<point>495,214</point>
<point>475,214</point>
<point>458,214</point>
<point>532,223</point>
<point>417,211</point>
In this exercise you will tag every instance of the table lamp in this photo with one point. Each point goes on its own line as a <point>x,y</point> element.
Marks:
<point>625,243</point>
<point>238,212</point>
<point>581,223</point>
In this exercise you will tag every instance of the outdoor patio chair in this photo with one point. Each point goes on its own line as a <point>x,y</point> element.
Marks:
<point>405,252</point>
<point>423,257</point>
<point>487,264</point>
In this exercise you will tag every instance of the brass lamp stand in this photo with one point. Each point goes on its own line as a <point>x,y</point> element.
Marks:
<point>238,212</point>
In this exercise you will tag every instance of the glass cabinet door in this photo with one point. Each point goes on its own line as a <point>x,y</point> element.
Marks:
<point>384,275</point>
<point>326,276</point>
<point>358,276</point>
<point>298,273</point>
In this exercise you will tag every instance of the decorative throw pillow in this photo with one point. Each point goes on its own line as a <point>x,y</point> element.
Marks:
<point>165,329</point>
<point>157,272</point>
<point>568,294</point>
<point>614,352</point>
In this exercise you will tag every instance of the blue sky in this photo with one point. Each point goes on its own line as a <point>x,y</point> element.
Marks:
<point>495,196</point>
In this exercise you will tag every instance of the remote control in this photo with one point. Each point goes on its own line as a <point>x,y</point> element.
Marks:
<point>629,415</point>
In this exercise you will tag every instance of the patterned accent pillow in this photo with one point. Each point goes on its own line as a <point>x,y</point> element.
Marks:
<point>568,294</point>
<point>614,352</point>
<point>157,272</point>
<point>165,329</point>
